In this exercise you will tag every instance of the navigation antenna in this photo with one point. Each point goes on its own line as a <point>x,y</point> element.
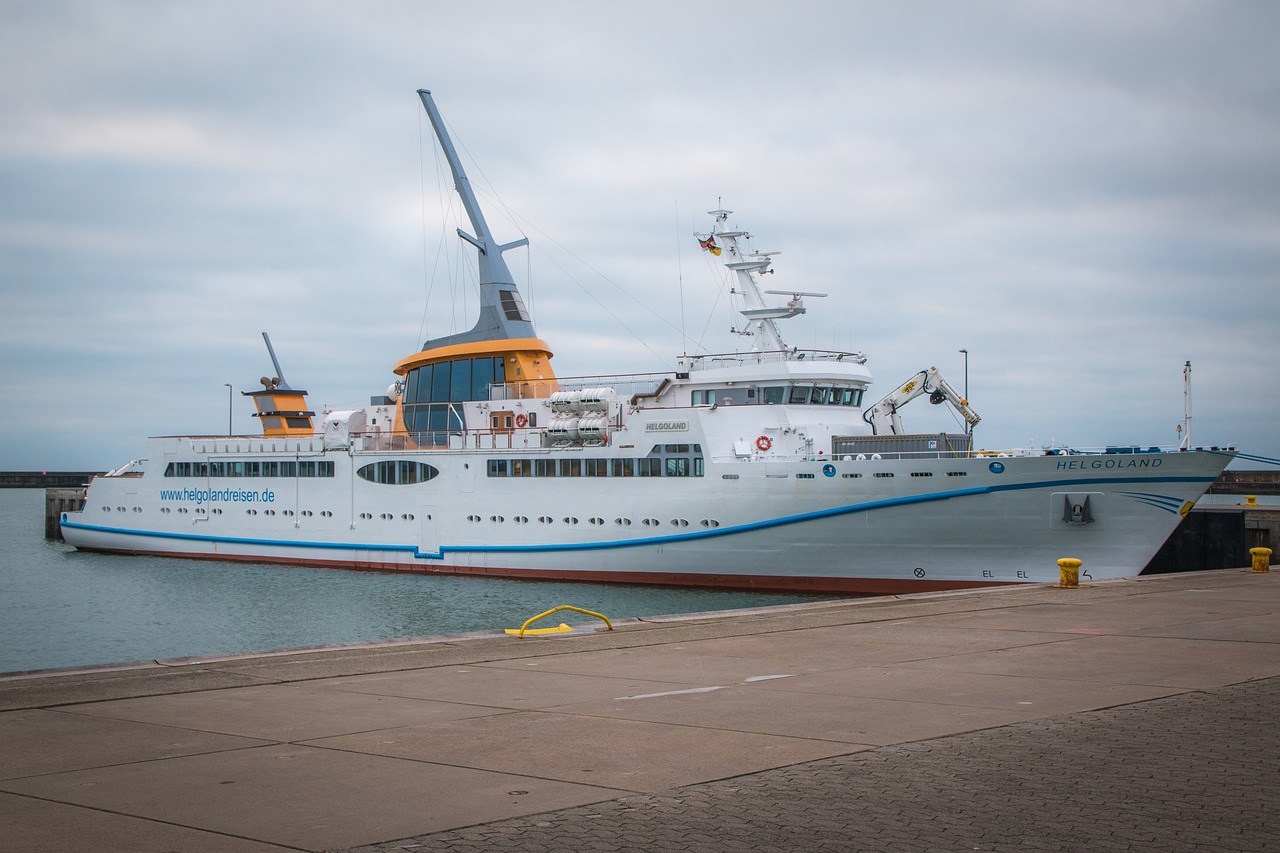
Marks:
<point>1185,426</point>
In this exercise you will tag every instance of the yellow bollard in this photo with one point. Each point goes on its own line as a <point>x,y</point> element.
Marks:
<point>1261,559</point>
<point>1069,572</point>
<point>1250,500</point>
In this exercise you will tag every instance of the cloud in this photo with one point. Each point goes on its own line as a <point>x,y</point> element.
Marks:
<point>1081,194</point>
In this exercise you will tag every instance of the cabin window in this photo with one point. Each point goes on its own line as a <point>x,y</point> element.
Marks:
<point>595,467</point>
<point>544,467</point>
<point>774,395</point>
<point>799,395</point>
<point>396,472</point>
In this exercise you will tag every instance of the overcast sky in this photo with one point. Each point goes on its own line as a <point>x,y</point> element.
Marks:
<point>1085,195</point>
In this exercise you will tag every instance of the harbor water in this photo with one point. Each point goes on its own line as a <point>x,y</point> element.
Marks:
<point>65,608</point>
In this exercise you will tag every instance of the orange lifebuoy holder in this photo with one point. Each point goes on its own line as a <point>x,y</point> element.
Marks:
<point>521,420</point>
<point>764,443</point>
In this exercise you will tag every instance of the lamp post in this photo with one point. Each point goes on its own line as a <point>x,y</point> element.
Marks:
<point>965,353</point>
<point>228,384</point>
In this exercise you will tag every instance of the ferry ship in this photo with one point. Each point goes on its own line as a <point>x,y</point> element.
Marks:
<point>766,468</point>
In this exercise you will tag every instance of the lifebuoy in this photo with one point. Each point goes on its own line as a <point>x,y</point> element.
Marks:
<point>521,420</point>
<point>764,442</point>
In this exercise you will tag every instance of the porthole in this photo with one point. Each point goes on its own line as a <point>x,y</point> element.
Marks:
<point>597,521</point>
<point>545,519</point>
<point>569,519</point>
<point>709,522</point>
<point>326,514</point>
<point>366,515</point>
<point>496,519</point>
<point>473,518</point>
<point>250,512</point>
<point>120,509</point>
<point>521,519</point>
<point>137,509</point>
<point>164,509</point>
<point>804,476</point>
<point>386,516</point>
<point>957,473</point>
<point>182,510</point>
<point>622,522</point>
<point>884,473</point>
<point>106,509</point>
<point>287,512</point>
<point>728,476</point>
<point>651,522</point>
<point>217,511</point>
<point>679,522</point>
<point>851,476</point>
<point>408,516</point>
<point>306,512</point>
<point>269,512</point>
<point>921,473</point>
<point>199,511</point>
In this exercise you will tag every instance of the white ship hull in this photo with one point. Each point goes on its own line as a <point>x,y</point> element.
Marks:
<point>774,524</point>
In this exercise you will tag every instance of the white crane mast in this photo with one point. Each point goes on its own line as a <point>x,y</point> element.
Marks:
<point>747,265</point>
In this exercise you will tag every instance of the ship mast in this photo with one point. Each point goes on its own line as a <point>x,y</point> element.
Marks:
<point>748,265</point>
<point>502,310</point>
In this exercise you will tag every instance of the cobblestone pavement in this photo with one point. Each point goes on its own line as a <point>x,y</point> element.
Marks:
<point>1196,771</point>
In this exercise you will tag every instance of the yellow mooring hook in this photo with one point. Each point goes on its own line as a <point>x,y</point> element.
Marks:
<point>523,629</point>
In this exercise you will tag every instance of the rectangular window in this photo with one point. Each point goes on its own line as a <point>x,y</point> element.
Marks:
<point>200,469</point>
<point>235,469</point>
<point>819,396</point>
<point>288,469</point>
<point>544,467</point>
<point>253,469</point>
<point>649,467</point>
<point>324,469</point>
<point>481,377</point>
<point>570,467</point>
<point>596,467</point>
<point>521,467</point>
<point>622,467</point>
<point>460,383</point>
<point>306,469</point>
<point>217,469</point>
<point>799,395</point>
<point>411,383</point>
<point>677,466</point>
<point>440,383</point>
<point>773,396</point>
<point>697,466</point>
<point>497,467</point>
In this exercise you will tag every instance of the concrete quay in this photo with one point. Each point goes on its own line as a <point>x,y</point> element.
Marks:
<point>1125,715</point>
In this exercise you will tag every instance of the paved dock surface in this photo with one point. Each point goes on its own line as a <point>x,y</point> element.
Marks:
<point>1127,715</point>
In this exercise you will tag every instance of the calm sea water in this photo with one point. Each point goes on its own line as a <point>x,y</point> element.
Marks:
<point>62,608</point>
